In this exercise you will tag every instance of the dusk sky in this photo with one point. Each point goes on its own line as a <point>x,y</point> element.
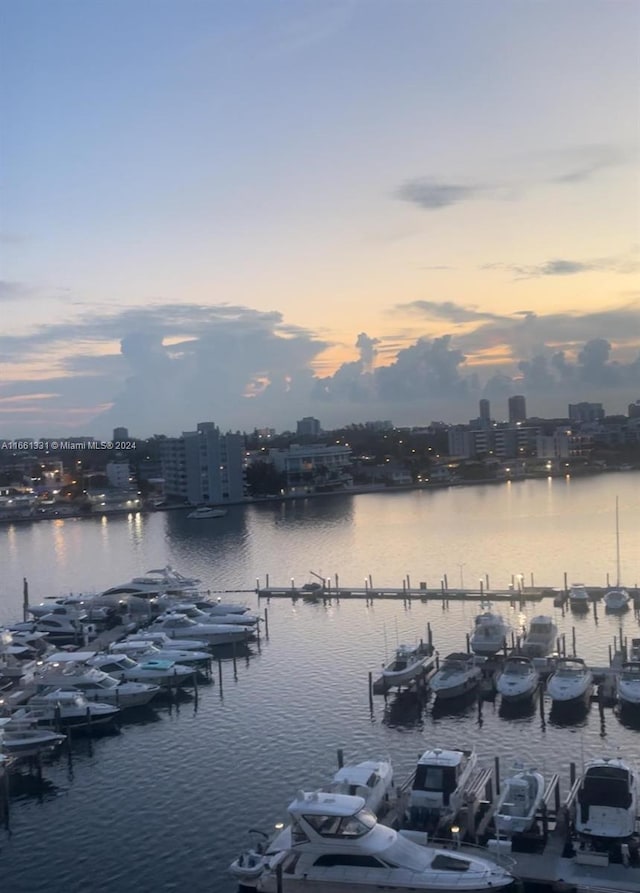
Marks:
<point>250,211</point>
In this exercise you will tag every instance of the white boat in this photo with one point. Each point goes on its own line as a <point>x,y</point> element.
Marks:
<point>61,630</point>
<point>140,649</point>
<point>439,786</point>
<point>154,583</point>
<point>66,708</point>
<point>372,780</point>
<point>628,684</point>
<point>409,662</point>
<point>541,637</point>
<point>607,801</point>
<point>69,606</point>
<point>579,597</point>
<point>204,512</point>
<point>25,739</point>
<point>518,679</point>
<point>190,610</point>
<point>154,671</point>
<point>213,633</point>
<point>339,847</point>
<point>571,681</point>
<point>95,684</point>
<point>457,676</point>
<point>616,600</point>
<point>520,800</point>
<point>489,634</point>
<point>162,640</point>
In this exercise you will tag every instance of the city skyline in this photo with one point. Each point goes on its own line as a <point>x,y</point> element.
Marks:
<point>256,213</point>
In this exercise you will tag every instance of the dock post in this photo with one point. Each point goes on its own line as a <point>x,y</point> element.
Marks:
<point>370,691</point>
<point>566,585</point>
<point>545,822</point>
<point>572,774</point>
<point>513,581</point>
<point>195,687</point>
<point>266,581</point>
<point>337,582</point>
<point>573,640</point>
<point>408,582</point>
<point>610,656</point>
<point>556,792</point>
<point>486,577</point>
<point>6,801</point>
<point>429,634</point>
<point>481,590</point>
<point>279,877</point>
<point>513,639</point>
<point>340,755</point>
<point>258,585</point>
<point>220,675</point>
<point>532,579</point>
<point>446,582</point>
<point>266,623</point>
<point>235,665</point>
<point>25,599</point>
<point>468,644</point>
<point>564,644</point>
<point>496,763</point>
<point>607,580</point>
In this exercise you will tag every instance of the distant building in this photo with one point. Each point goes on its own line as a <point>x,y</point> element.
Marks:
<point>634,410</point>
<point>119,475</point>
<point>586,412</point>
<point>314,468</point>
<point>517,409</point>
<point>308,427</point>
<point>204,466</point>
<point>120,434</point>
<point>485,413</point>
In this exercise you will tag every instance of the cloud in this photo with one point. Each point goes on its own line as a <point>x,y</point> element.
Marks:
<point>449,310</point>
<point>13,291</point>
<point>581,163</point>
<point>558,266</point>
<point>431,195</point>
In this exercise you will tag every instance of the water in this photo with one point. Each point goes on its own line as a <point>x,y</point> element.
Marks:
<point>167,803</point>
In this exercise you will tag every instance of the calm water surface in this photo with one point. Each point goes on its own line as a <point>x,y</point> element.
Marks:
<point>167,803</point>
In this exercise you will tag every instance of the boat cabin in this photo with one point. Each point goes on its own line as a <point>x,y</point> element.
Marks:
<point>607,785</point>
<point>438,784</point>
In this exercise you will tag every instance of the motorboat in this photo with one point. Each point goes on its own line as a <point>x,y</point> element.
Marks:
<point>213,633</point>
<point>162,640</point>
<point>95,684</point>
<point>439,786</point>
<point>155,583</point>
<point>205,512</point>
<point>541,637</point>
<point>61,630</point>
<point>489,634</point>
<point>170,575</point>
<point>338,846</point>
<point>25,739</point>
<point>154,671</point>
<point>628,684</point>
<point>607,801</point>
<point>408,662</point>
<point>579,597</point>
<point>165,602</point>
<point>521,798</point>
<point>571,681</point>
<point>372,780</point>
<point>66,708</point>
<point>201,616</point>
<point>616,600</point>
<point>458,675</point>
<point>518,680</point>
<point>140,649</point>
<point>68,606</point>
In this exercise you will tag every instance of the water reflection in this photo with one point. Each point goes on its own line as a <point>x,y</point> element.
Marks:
<point>461,706</point>
<point>405,710</point>
<point>511,710</point>
<point>30,786</point>
<point>564,715</point>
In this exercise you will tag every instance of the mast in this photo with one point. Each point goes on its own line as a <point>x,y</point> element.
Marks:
<point>617,545</point>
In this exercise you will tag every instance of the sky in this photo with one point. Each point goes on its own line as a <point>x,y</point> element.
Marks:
<point>248,212</point>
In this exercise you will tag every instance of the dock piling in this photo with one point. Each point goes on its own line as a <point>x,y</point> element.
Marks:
<point>266,623</point>
<point>496,762</point>
<point>25,599</point>
<point>220,675</point>
<point>340,756</point>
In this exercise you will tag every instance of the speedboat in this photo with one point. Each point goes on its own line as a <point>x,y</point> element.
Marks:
<point>518,680</point>
<point>519,802</point>
<point>25,739</point>
<point>213,633</point>
<point>607,802</point>
<point>489,634</point>
<point>201,616</point>
<point>94,683</point>
<point>457,676</point>
<point>204,512</point>
<point>66,708</point>
<point>616,600</point>
<point>372,780</point>
<point>140,649</point>
<point>155,671</point>
<point>571,681</point>
<point>162,640</point>
<point>628,684</point>
<point>409,661</point>
<point>338,846</point>
<point>439,786</point>
<point>541,637</point>
<point>61,630</point>
<point>579,597</point>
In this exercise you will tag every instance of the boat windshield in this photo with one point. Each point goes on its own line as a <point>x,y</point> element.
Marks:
<point>570,670</point>
<point>435,778</point>
<point>351,826</point>
<point>540,629</point>
<point>517,669</point>
<point>606,786</point>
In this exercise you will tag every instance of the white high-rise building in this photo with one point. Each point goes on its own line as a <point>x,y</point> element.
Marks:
<point>204,466</point>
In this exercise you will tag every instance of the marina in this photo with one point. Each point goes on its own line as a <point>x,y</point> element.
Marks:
<point>315,659</point>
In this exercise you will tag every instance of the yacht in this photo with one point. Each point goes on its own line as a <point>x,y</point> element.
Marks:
<point>162,640</point>
<point>204,512</point>
<point>518,679</point>
<point>489,634</point>
<point>409,661</point>
<point>95,684</point>
<point>439,786</point>
<point>616,600</point>
<point>154,583</point>
<point>628,684</point>
<point>521,798</point>
<point>66,708</point>
<point>337,846</point>
<point>571,681</point>
<point>164,673</point>
<point>61,630</point>
<point>607,802</point>
<point>25,739</point>
<point>213,633</point>
<point>541,637</point>
<point>200,616</point>
<point>457,676</point>
<point>579,597</point>
<point>141,649</point>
